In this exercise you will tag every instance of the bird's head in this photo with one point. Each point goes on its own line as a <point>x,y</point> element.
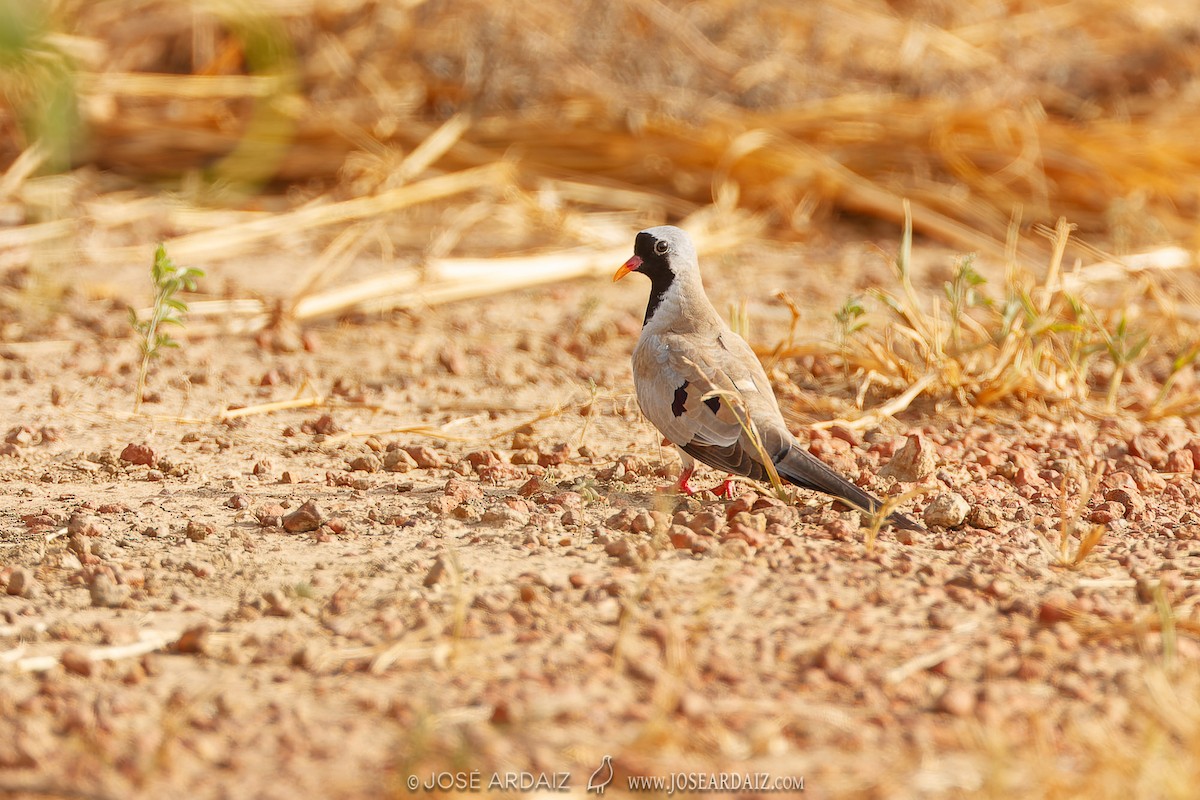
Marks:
<point>661,254</point>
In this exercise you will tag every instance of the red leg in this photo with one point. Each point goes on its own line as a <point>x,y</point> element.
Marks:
<point>682,487</point>
<point>725,490</point>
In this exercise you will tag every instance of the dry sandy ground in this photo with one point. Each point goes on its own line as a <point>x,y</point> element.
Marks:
<point>512,595</point>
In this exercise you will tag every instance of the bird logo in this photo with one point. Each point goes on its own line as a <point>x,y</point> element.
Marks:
<point>602,777</point>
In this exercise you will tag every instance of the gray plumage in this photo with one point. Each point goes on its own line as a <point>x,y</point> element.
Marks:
<point>704,388</point>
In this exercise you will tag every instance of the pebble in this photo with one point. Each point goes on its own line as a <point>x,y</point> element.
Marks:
<point>398,460</point>
<point>81,524</point>
<point>948,510</point>
<point>984,516</point>
<point>76,661</point>
<point>912,462</point>
<point>436,573</point>
<point>199,531</point>
<point>958,700</point>
<point>21,583</point>
<point>425,457</point>
<point>554,455</point>
<point>138,454</point>
<point>107,593</point>
<point>1107,512</point>
<point>366,463</point>
<point>305,518</point>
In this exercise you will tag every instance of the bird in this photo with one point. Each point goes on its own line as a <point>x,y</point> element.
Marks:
<point>602,777</point>
<point>704,389</point>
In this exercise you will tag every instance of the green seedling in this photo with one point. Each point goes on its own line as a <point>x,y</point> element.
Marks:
<point>849,320</point>
<point>169,281</point>
<point>1124,348</point>
<point>962,294</point>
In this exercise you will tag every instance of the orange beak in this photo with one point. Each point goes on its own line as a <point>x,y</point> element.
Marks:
<point>629,266</point>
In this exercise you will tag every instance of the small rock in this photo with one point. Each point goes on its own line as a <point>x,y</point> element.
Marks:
<point>948,510</point>
<point>1107,512</point>
<point>192,640</point>
<point>462,491</point>
<point>436,574</point>
<point>324,425</point>
<point>912,462</point>
<point>1131,501</point>
<point>425,457</point>
<point>76,661</point>
<point>648,521</point>
<point>305,518</point>
<point>277,604</point>
<point>237,501</point>
<point>399,460</point>
<point>503,514</point>
<point>554,455</point>
<point>525,457</point>
<point>1181,461</point>
<point>985,517</point>
<point>81,524</point>
<point>138,454</point>
<point>682,538</point>
<point>199,531</point>
<point>21,434</point>
<point>107,593</point>
<point>21,583</point>
<point>155,475</point>
<point>484,458</point>
<point>270,516</point>
<point>622,520</point>
<point>706,523</point>
<point>366,463</point>
<point>958,700</point>
<point>749,528</point>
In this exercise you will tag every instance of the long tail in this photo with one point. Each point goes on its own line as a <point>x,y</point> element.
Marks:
<point>805,470</point>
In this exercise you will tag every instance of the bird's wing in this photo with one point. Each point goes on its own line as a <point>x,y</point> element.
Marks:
<point>710,397</point>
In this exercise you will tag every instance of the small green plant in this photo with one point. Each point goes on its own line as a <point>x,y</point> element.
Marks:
<point>169,281</point>
<point>1124,348</point>
<point>849,320</point>
<point>1181,362</point>
<point>962,294</point>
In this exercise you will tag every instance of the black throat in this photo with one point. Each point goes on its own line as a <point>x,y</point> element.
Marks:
<point>658,289</point>
<point>655,268</point>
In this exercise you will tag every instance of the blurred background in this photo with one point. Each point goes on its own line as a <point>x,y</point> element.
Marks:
<point>333,134</point>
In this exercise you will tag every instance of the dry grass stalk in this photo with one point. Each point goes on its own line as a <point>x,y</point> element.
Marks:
<point>238,238</point>
<point>151,641</point>
<point>1034,341</point>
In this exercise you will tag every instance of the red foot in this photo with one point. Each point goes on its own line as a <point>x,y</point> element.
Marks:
<point>681,486</point>
<point>725,490</point>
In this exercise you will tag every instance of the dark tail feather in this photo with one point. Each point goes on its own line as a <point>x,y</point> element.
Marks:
<point>808,472</point>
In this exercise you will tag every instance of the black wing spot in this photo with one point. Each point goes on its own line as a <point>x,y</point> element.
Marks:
<point>680,399</point>
<point>714,403</point>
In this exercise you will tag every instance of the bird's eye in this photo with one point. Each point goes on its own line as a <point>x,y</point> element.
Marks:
<point>661,248</point>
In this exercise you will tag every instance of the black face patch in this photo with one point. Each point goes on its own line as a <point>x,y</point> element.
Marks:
<point>655,267</point>
<point>714,403</point>
<point>680,400</point>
